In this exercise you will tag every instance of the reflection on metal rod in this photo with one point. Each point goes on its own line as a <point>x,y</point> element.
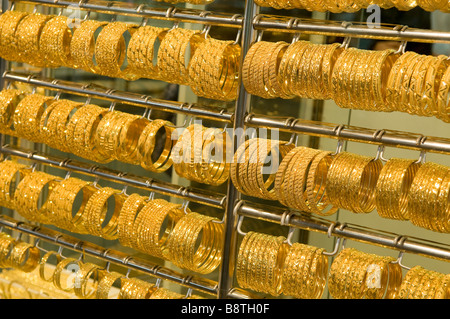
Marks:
<point>334,28</point>
<point>122,97</point>
<point>399,139</point>
<point>140,10</point>
<point>375,237</point>
<point>109,255</point>
<point>199,196</point>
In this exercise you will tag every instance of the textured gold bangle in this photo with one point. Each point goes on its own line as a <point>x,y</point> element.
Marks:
<point>125,224</point>
<point>9,179</point>
<point>133,288</point>
<point>96,213</point>
<point>127,146</point>
<point>182,249</point>
<point>9,99</point>
<point>442,103</point>
<point>27,38</point>
<point>110,49</point>
<point>58,274</point>
<point>54,42</point>
<point>25,256</point>
<point>82,45</point>
<point>105,284</point>
<point>9,22</point>
<point>83,288</point>
<point>28,192</point>
<point>177,45</point>
<point>7,244</point>
<point>391,194</point>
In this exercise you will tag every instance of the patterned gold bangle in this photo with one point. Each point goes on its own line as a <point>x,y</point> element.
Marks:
<point>110,49</point>
<point>9,98</point>
<point>442,104</point>
<point>11,174</point>
<point>404,105</point>
<point>105,284</point>
<point>173,52</point>
<point>96,219</point>
<point>28,192</point>
<point>125,224</point>
<point>9,22</point>
<point>182,249</point>
<point>58,274</point>
<point>7,244</point>
<point>434,75</point>
<point>82,46</point>
<point>27,38</point>
<point>391,194</point>
<point>83,288</point>
<point>133,288</point>
<point>54,42</point>
<point>25,257</point>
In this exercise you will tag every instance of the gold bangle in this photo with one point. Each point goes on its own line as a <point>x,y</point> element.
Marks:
<point>82,45</point>
<point>43,263</point>
<point>110,49</point>
<point>57,276</point>
<point>9,99</point>
<point>442,104</point>
<point>28,192</point>
<point>125,224</point>
<point>128,140</point>
<point>182,249</point>
<point>82,287</point>
<point>27,38</point>
<point>54,42</point>
<point>394,182</point>
<point>7,244</point>
<point>96,213</point>
<point>133,288</point>
<point>9,179</point>
<point>9,22</point>
<point>105,284</point>
<point>25,257</point>
<point>172,54</point>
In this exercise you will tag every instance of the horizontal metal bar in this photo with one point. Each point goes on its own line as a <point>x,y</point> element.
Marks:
<point>144,11</point>
<point>186,193</point>
<point>406,140</point>
<point>110,255</point>
<point>354,232</point>
<point>348,29</point>
<point>123,97</point>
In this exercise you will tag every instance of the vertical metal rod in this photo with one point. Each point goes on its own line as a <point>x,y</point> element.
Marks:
<point>225,281</point>
<point>3,62</point>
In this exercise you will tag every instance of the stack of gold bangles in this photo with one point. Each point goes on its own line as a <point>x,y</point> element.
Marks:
<point>102,135</point>
<point>384,80</point>
<point>18,254</point>
<point>210,66</point>
<point>320,182</point>
<point>337,6</point>
<point>356,275</point>
<point>421,283</point>
<point>156,227</point>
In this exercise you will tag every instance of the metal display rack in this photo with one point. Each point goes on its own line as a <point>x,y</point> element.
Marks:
<point>231,203</point>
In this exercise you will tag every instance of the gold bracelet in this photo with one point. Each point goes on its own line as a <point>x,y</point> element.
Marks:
<point>60,267</point>
<point>110,49</point>
<point>25,257</point>
<point>82,46</point>
<point>7,244</point>
<point>27,38</point>
<point>182,249</point>
<point>54,42</point>
<point>11,174</point>
<point>9,98</point>
<point>442,104</point>
<point>9,22</point>
<point>83,288</point>
<point>105,284</point>
<point>125,224</point>
<point>172,54</point>
<point>127,147</point>
<point>43,263</point>
<point>133,288</point>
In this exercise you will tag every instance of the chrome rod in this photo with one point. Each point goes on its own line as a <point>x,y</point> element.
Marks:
<point>375,237</point>
<point>412,141</point>
<point>122,97</point>
<point>349,29</point>
<point>109,255</point>
<point>186,193</point>
<point>143,11</point>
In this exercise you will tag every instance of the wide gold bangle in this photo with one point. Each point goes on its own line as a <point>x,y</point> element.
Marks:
<point>154,224</point>
<point>177,45</point>
<point>442,102</point>
<point>394,182</point>
<point>27,38</point>
<point>195,243</point>
<point>96,219</point>
<point>25,256</point>
<point>105,284</point>
<point>28,193</point>
<point>110,49</point>
<point>125,224</point>
<point>7,244</point>
<point>9,98</point>
<point>54,42</point>
<point>60,274</point>
<point>11,174</point>
<point>84,286</point>
<point>133,288</point>
<point>9,22</point>
<point>214,69</point>
<point>82,45</point>
<point>131,130</point>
